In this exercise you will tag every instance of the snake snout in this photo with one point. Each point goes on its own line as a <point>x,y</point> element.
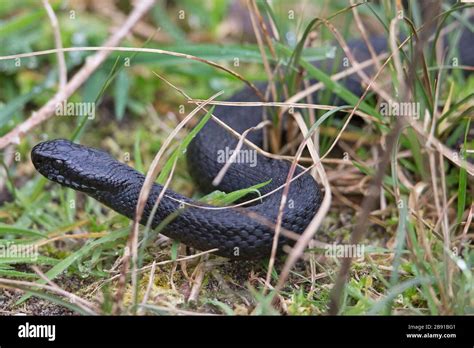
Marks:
<point>50,155</point>
<point>74,165</point>
<point>54,159</point>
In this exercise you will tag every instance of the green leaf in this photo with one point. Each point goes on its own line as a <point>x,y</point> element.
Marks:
<point>227,53</point>
<point>222,306</point>
<point>17,274</point>
<point>9,229</point>
<point>174,250</point>
<point>36,260</point>
<point>20,22</point>
<point>161,18</point>
<point>7,111</point>
<point>220,198</point>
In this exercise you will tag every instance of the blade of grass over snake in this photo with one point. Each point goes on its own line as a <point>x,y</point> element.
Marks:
<point>220,198</point>
<point>112,73</point>
<point>179,152</point>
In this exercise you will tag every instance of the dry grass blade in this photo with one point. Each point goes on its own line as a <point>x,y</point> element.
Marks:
<point>368,205</point>
<point>364,35</point>
<point>261,48</point>
<point>286,105</point>
<point>448,153</point>
<point>198,278</point>
<point>235,134</point>
<point>148,226</point>
<point>57,40</point>
<point>313,226</point>
<point>360,72</point>
<point>464,237</point>
<point>336,77</point>
<point>217,180</point>
<point>88,307</point>
<point>166,262</point>
<point>284,198</point>
<point>150,284</point>
<point>132,243</point>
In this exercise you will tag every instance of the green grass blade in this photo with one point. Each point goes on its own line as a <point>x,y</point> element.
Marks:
<point>182,147</point>
<point>64,264</point>
<point>220,198</point>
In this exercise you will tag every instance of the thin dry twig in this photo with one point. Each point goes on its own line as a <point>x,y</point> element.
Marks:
<point>142,28</point>
<point>91,64</point>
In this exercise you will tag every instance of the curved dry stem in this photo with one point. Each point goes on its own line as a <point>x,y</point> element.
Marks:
<point>151,175</point>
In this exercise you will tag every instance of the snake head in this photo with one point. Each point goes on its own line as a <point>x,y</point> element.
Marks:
<point>72,165</point>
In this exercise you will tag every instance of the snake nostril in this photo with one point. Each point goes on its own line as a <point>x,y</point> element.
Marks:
<point>37,160</point>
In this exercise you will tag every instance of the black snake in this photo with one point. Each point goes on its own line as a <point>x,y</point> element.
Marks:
<point>245,233</point>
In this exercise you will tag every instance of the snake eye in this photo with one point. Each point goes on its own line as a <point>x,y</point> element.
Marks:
<point>57,164</point>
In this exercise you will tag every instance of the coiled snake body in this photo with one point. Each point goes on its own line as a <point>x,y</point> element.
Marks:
<point>236,233</point>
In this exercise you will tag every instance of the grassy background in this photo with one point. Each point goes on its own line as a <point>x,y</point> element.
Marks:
<point>418,254</point>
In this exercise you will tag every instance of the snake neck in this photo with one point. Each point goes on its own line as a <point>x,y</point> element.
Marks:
<point>122,195</point>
